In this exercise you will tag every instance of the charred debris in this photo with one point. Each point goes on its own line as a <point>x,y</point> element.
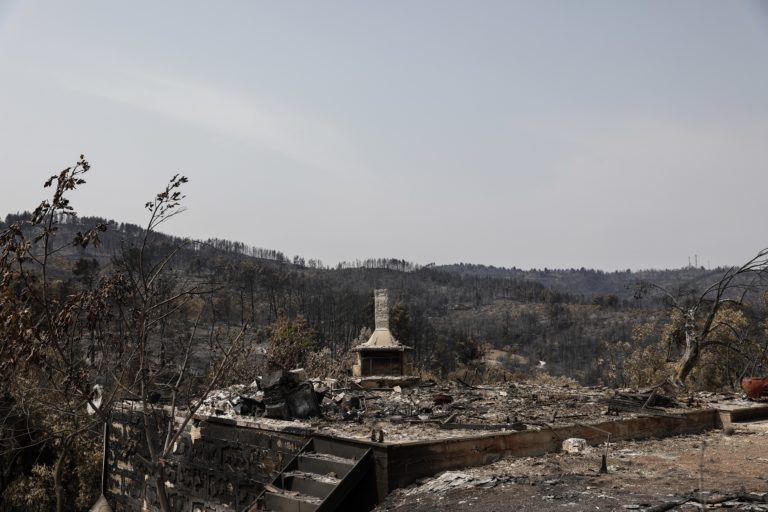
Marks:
<point>431,409</point>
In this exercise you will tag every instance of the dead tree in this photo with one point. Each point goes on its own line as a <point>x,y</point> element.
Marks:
<point>45,331</point>
<point>700,312</point>
<point>165,386</point>
<point>56,344</point>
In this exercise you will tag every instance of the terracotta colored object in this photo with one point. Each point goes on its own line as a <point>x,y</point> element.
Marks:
<point>755,387</point>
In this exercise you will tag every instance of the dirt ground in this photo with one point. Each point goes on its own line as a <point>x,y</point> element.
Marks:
<point>641,475</point>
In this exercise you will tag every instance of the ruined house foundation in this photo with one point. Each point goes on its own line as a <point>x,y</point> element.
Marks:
<point>226,464</point>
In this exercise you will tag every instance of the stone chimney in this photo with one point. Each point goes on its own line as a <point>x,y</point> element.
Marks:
<point>381,312</point>
<point>382,355</point>
<point>381,336</point>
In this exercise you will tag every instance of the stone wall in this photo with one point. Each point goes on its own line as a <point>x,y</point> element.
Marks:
<point>218,465</point>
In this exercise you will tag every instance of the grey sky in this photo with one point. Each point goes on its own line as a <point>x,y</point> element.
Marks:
<point>609,134</point>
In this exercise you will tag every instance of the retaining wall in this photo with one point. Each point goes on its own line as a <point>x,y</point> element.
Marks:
<point>221,465</point>
<point>217,465</point>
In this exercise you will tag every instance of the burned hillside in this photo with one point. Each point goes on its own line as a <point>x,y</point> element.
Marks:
<point>439,311</point>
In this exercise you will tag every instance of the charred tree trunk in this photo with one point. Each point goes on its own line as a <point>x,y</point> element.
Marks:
<point>58,475</point>
<point>162,495</point>
<point>690,357</point>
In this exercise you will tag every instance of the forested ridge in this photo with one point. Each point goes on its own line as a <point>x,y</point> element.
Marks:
<point>568,318</point>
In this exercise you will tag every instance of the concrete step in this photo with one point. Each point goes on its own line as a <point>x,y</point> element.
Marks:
<point>324,476</point>
<point>324,464</point>
<point>311,484</point>
<point>339,449</point>
<point>290,502</point>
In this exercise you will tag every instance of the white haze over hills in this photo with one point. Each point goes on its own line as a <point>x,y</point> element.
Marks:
<point>599,134</point>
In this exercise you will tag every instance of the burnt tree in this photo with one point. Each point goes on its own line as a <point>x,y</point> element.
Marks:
<point>702,312</point>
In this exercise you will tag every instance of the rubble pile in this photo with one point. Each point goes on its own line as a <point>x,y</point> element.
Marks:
<point>287,397</point>
<point>280,395</point>
<point>453,409</point>
<point>432,410</point>
<point>237,400</point>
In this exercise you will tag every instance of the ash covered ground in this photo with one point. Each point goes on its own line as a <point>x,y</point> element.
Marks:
<point>441,410</point>
<point>718,470</point>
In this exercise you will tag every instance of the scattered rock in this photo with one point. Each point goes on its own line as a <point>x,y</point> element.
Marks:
<point>574,445</point>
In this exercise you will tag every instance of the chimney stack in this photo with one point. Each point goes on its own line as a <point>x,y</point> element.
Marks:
<point>381,313</point>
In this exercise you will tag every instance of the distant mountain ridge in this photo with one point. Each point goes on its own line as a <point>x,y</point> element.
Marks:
<point>590,282</point>
<point>582,282</point>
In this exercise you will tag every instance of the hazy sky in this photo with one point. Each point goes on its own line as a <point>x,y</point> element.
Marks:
<point>613,134</point>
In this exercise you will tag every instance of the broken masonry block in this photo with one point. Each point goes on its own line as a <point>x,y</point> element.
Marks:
<point>277,411</point>
<point>285,397</point>
<point>302,402</point>
<point>300,373</point>
<point>248,406</point>
<point>575,445</point>
<point>279,378</point>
